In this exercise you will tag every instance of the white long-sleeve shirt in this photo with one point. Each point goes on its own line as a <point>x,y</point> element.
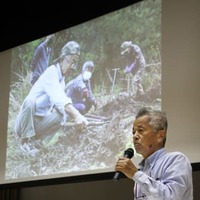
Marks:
<point>48,92</point>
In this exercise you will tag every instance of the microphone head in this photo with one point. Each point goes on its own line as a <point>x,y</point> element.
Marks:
<point>129,153</point>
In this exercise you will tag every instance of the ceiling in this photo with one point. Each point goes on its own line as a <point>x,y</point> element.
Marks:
<point>27,22</point>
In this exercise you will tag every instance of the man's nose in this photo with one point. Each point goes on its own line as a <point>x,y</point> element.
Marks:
<point>136,134</point>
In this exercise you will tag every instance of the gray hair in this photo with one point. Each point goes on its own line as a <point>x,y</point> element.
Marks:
<point>157,119</point>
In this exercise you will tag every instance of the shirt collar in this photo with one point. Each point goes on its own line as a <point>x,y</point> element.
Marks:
<point>151,159</point>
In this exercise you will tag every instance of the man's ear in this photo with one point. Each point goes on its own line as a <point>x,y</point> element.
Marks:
<point>161,135</point>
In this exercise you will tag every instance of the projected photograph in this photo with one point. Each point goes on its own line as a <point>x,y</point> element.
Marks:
<point>99,72</point>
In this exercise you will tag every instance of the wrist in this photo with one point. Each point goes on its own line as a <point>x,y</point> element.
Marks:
<point>134,173</point>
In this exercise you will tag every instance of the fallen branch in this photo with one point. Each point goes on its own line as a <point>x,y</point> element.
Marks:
<point>72,124</point>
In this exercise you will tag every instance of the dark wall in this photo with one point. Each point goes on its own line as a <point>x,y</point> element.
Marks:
<point>98,190</point>
<point>28,21</point>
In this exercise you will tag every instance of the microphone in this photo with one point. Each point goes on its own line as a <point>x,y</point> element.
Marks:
<point>128,153</point>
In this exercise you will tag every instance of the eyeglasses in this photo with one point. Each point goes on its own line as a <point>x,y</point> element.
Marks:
<point>73,60</point>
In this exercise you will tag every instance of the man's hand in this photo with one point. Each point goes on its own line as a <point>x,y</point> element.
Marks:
<point>126,166</point>
<point>80,121</point>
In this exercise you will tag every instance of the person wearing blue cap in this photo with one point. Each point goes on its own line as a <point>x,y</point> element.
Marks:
<point>135,65</point>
